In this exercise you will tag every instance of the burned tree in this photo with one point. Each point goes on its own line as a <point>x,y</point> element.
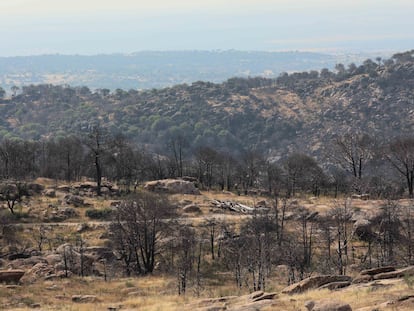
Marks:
<point>185,250</point>
<point>401,156</point>
<point>340,215</point>
<point>207,159</point>
<point>140,222</point>
<point>353,151</point>
<point>303,173</point>
<point>97,141</point>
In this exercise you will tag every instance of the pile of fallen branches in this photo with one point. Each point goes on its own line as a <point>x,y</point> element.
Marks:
<point>233,206</point>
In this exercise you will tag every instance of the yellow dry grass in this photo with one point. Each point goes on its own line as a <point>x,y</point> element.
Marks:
<point>383,296</point>
<point>144,293</point>
<point>157,293</point>
<point>154,293</point>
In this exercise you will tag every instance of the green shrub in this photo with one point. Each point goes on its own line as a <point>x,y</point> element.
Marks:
<point>104,213</point>
<point>409,281</point>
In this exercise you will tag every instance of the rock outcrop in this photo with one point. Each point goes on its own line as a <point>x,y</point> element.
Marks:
<point>171,186</point>
<point>75,200</point>
<point>51,193</point>
<point>191,208</point>
<point>409,271</point>
<point>335,285</point>
<point>11,276</point>
<point>35,188</point>
<point>327,305</point>
<point>84,298</point>
<point>253,302</point>
<point>382,273</point>
<point>38,271</point>
<point>314,282</point>
<point>89,189</point>
<point>375,271</point>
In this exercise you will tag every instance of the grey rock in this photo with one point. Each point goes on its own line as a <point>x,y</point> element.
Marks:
<point>375,271</point>
<point>191,208</point>
<point>84,298</point>
<point>408,271</point>
<point>51,193</point>
<point>11,276</point>
<point>75,200</point>
<point>328,305</point>
<point>335,285</point>
<point>314,282</point>
<point>171,186</point>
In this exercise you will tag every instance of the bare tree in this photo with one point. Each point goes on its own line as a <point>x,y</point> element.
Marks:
<point>5,155</point>
<point>274,178</point>
<point>341,215</point>
<point>177,144</point>
<point>72,157</point>
<point>303,172</point>
<point>98,142</point>
<point>207,159</point>
<point>185,249</point>
<point>279,210</point>
<point>389,231</point>
<point>41,236</point>
<point>407,232</point>
<point>62,158</point>
<point>140,222</point>
<point>401,156</point>
<point>306,221</point>
<point>352,151</point>
<point>226,168</point>
<point>125,163</point>
<point>81,243</point>
<point>19,158</point>
<point>252,253</point>
<point>210,225</point>
<point>327,236</point>
<point>251,165</point>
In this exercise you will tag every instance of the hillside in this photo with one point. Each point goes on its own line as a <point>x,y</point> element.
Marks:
<point>300,111</point>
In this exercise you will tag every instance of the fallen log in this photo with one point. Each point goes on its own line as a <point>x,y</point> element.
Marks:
<point>233,206</point>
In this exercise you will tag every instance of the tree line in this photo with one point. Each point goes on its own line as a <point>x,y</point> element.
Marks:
<point>353,163</point>
<point>147,235</point>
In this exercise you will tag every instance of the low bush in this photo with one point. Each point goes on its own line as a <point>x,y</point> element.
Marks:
<point>101,214</point>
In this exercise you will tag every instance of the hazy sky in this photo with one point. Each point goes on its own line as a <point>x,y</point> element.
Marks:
<point>108,26</point>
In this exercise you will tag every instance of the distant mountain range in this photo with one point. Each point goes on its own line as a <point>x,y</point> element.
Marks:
<point>300,111</point>
<point>146,70</point>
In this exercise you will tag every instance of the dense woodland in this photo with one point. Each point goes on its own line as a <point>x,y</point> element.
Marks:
<point>296,112</point>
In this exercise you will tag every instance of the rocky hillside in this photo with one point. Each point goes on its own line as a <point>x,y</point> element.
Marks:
<point>300,111</point>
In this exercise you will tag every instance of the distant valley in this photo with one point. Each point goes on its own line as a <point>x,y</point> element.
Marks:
<point>146,70</point>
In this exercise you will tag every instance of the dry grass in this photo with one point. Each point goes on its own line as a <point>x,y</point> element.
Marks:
<point>155,293</point>
<point>358,296</point>
<point>139,293</point>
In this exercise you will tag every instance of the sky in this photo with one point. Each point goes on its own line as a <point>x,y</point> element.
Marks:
<point>87,27</point>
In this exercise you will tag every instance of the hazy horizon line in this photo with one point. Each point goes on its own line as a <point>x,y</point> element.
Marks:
<point>327,51</point>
